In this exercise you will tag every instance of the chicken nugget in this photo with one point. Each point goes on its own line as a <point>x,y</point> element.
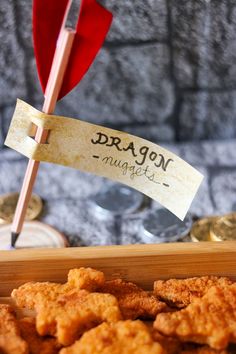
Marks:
<point>134,302</point>
<point>10,339</point>
<point>209,320</point>
<point>81,278</point>
<point>36,343</point>
<point>71,314</point>
<point>26,294</point>
<point>171,345</point>
<point>181,292</point>
<point>86,278</point>
<point>204,350</point>
<point>123,337</point>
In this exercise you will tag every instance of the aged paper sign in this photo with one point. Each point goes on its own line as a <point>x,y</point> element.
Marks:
<point>122,157</point>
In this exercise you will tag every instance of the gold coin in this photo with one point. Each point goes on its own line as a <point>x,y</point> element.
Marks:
<point>8,204</point>
<point>200,230</point>
<point>224,229</point>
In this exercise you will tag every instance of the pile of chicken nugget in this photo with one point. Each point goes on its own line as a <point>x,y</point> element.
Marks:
<point>89,314</point>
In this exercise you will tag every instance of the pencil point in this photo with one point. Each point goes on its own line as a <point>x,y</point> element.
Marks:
<point>14,237</point>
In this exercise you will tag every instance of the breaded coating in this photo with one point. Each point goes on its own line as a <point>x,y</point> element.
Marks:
<point>37,344</point>
<point>171,345</point>
<point>174,346</point>
<point>68,316</point>
<point>134,302</point>
<point>81,278</point>
<point>124,337</point>
<point>86,278</point>
<point>210,320</point>
<point>10,339</point>
<point>181,292</point>
<point>204,350</point>
<point>26,294</point>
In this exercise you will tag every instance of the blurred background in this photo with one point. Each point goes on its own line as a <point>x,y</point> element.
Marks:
<point>167,72</point>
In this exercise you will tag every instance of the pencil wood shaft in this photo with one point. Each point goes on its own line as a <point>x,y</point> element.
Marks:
<point>55,80</point>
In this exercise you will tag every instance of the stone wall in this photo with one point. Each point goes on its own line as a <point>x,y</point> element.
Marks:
<point>167,71</point>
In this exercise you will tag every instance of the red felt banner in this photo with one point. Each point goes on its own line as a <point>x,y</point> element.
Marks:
<point>92,26</point>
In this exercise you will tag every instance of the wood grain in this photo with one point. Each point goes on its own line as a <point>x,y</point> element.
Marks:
<point>139,263</point>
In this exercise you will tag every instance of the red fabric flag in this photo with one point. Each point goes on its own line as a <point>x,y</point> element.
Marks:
<point>92,26</point>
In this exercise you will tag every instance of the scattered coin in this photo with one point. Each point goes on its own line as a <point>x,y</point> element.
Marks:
<point>224,229</point>
<point>200,230</point>
<point>8,204</point>
<point>35,234</point>
<point>116,200</point>
<point>162,226</point>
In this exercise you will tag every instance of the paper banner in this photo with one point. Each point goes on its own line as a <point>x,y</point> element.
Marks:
<point>117,155</point>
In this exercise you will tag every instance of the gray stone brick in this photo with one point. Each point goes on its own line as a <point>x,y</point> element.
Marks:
<point>137,20</point>
<point>208,116</point>
<point>130,230</point>
<point>153,132</point>
<point>66,182</point>
<point>125,85</point>
<point>11,175</point>
<point>132,20</point>
<point>223,190</point>
<point>209,153</point>
<point>10,155</point>
<point>36,96</point>
<point>72,217</point>
<point>12,69</point>
<point>204,42</point>
<point>1,132</point>
<point>6,115</point>
<point>24,23</point>
<point>172,147</point>
<point>202,203</point>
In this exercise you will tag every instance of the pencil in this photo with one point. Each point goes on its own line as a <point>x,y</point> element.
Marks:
<point>58,68</point>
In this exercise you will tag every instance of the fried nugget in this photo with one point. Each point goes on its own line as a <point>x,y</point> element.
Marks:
<point>204,350</point>
<point>181,292</point>
<point>210,320</point>
<point>134,302</point>
<point>37,344</point>
<point>86,278</point>
<point>10,339</point>
<point>171,345</point>
<point>71,314</point>
<point>174,346</point>
<point>124,337</point>
<point>81,278</point>
<point>26,295</point>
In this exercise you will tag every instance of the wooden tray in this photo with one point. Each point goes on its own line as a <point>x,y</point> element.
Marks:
<point>138,263</point>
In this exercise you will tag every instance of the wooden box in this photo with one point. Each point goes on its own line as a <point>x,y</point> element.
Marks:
<point>138,263</point>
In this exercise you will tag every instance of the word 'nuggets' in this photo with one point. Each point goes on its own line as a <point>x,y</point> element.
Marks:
<point>210,320</point>
<point>181,292</point>
<point>124,337</point>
